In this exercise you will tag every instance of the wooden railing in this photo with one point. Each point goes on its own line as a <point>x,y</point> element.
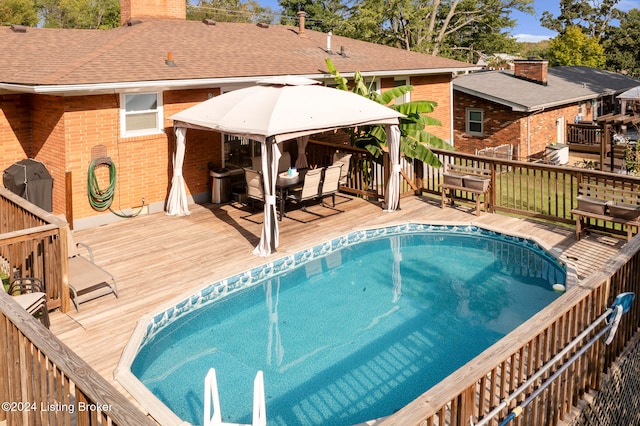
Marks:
<point>366,177</point>
<point>475,389</point>
<point>531,189</point>
<point>43,382</point>
<point>585,137</point>
<point>33,244</point>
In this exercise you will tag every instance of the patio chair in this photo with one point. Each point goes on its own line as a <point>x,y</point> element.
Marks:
<point>343,159</point>
<point>29,294</point>
<point>87,281</point>
<point>331,183</point>
<point>283,164</point>
<point>310,188</point>
<point>255,186</point>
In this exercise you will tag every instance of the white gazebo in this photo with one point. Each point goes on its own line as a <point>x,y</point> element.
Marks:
<point>273,111</point>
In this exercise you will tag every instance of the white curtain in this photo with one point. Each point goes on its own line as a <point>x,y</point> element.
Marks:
<point>269,240</point>
<point>301,161</point>
<point>392,188</point>
<point>177,202</point>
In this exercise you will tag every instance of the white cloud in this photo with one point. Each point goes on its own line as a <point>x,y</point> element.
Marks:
<point>531,38</point>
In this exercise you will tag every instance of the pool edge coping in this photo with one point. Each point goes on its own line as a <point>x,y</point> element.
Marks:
<point>155,408</point>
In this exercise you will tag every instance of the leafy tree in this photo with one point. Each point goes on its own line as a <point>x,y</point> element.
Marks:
<point>623,44</point>
<point>323,15</point>
<point>574,47</point>
<point>594,18</point>
<point>229,11</point>
<point>21,12</point>
<point>414,140</point>
<point>91,14</point>
<point>433,26</point>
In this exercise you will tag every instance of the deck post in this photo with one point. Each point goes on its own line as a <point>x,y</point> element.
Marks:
<point>63,249</point>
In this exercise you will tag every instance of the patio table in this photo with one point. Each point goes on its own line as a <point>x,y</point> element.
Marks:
<point>283,185</point>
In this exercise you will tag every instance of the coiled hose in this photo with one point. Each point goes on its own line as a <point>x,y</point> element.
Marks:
<point>101,199</point>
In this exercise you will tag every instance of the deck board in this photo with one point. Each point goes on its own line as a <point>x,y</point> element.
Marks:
<point>159,259</point>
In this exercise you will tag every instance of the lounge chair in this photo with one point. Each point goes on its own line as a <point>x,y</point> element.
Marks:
<point>87,280</point>
<point>255,186</point>
<point>29,294</point>
<point>344,160</point>
<point>331,183</point>
<point>310,188</point>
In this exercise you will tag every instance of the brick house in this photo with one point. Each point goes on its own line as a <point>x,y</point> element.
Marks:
<point>530,106</point>
<point>67,96</point>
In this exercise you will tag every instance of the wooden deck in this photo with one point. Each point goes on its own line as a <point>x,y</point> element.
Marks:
<point>159,259</point>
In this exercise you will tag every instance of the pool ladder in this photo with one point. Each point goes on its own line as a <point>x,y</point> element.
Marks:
<point>212,400</point>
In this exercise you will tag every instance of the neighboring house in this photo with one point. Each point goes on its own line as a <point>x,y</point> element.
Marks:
<point>530,107</point>
<point>68,96</point>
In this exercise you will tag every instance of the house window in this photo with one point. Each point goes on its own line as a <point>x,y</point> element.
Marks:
<point>404,98</point>
<point>141,114</point>
<point>474,122</point>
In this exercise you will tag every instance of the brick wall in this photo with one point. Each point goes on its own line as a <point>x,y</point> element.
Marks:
<point>530,132</point>
<point>15,129</point>
<point>173,9</point>
<point>435,88</point>
<point>61,132</point>
<point>48,138</point>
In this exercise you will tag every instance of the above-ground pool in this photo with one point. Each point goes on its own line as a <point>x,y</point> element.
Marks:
<point>347,331</point>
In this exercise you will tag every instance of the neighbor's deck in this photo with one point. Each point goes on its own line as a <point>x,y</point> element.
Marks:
<point>159,259</point>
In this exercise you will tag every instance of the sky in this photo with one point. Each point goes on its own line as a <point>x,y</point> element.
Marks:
<point>528,27</point>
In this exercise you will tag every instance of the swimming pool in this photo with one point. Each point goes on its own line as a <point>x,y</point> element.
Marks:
<point>390,313</point>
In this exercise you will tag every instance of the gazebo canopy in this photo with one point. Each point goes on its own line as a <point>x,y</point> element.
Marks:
<point>276,110</point>
<point>284,108</point>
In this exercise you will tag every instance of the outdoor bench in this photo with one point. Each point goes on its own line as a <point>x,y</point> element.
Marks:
<point>475,180</point>
<point>607,203</point>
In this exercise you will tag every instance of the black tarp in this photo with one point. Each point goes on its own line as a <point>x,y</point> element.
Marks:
<point>31,180</point>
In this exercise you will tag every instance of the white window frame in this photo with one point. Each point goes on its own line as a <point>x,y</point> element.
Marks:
<point>159,111</point>
<point>406,98</point>
<point>468,121</point>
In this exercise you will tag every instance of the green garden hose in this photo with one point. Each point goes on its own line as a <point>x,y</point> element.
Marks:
<point>101,199</point>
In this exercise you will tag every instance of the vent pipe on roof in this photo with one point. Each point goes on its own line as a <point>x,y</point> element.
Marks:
<point>208,21</point>
<point>301,16</point>
<point>169,61</point>
<point>18,28</point>
<point>132,22</point>
<point>262,25</point>
<point>329,43</point>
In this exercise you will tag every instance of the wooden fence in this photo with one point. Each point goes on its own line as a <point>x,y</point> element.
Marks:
<point>536,190</point>
<point>43,382</point>
<point>33,244</point>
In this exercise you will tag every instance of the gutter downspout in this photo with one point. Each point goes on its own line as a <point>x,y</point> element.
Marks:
<point>451,130</point>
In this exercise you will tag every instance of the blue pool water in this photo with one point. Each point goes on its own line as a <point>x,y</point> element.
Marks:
<point>353,334</point>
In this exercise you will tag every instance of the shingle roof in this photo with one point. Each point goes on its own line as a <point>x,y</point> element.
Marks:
<point>565,85</point>
<point>43,56</point>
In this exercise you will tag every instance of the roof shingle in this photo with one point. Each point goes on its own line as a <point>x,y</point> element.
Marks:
<point>43,56</point>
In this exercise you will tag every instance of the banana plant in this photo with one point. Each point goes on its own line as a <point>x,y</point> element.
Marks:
<point>415,141</point>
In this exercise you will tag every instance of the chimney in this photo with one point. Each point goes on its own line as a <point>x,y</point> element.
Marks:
<point>534,70</point>
<point>301,16</point>
<point>165,9</point>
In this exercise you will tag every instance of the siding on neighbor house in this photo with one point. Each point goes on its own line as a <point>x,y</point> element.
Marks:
<point>435,88</point>
<point>532,132</point>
